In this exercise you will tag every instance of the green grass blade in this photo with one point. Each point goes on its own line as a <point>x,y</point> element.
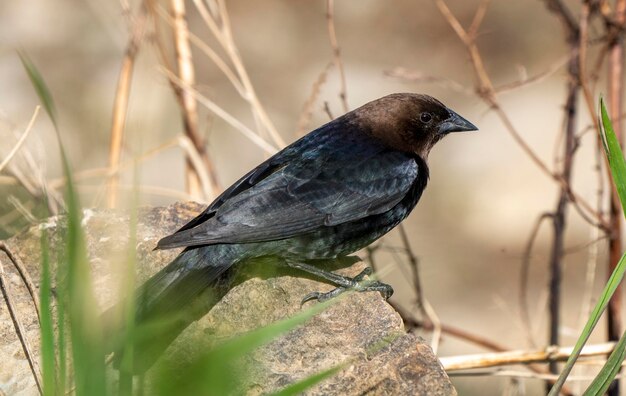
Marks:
<point>85,328</point>
<point>607,374</point>
<point>246,343</point>
<point>127,363</point>
<point>216,372</point>
<point>614,154</point>
<point>40,87</point>
<point>47,329</point>
<point>302,385</point>
<point>618,171</point>
<point>86,340</point>
<point>61,340</point>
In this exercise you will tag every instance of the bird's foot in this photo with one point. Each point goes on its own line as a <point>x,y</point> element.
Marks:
<point>356,284</point>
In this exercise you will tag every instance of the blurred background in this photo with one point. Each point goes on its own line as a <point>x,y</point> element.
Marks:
<point>485,195</point>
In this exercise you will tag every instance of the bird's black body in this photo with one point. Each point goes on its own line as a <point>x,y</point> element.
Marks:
<point>327,195</point>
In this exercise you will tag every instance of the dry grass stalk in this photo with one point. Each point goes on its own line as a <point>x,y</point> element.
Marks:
<point>307,109</point>
<point>21,269</point>
<point>206,187</point>
<point>197,162</point>
<point>549,354</point>
<point>21,140</point>
<point>120,106</point>
<point>19,329</point>
<point>332,35</point>
<point>224,115</point>
<point>218,22</point>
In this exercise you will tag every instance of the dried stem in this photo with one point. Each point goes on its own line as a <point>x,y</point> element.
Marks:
<point>549,354</point>
<point>332,35</point>
<point>19,329</point>
<point>189,108</point>
<point>120,106</point>
<point>197,162</point>
<point>488,94</point>
<point>422,303</point>
<point>224,115</point>
<point>411,323</point>
<point>21,140</point>
<point>559,217</point>
<point>307,109</point>
<point>523,299</point>
<point>21,269</point>
<point>219,24</point>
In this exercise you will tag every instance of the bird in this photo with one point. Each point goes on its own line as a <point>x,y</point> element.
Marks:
<point>324,197</point>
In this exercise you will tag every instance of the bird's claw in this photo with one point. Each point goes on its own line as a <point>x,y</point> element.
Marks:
<point>355,284</point>
<point>366,272</point>
<point>321,297</point>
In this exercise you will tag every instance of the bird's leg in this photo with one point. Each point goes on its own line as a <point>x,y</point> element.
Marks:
<point>343,283</point>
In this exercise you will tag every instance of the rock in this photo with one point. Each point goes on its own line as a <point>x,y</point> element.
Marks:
<point>360,330</point>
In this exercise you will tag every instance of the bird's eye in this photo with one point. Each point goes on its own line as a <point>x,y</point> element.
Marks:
<point>426,117</point>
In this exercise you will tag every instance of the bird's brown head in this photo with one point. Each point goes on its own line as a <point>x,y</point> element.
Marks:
<point>409,122</point>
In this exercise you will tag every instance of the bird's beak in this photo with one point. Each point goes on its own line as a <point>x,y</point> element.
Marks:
<point>456,123</point>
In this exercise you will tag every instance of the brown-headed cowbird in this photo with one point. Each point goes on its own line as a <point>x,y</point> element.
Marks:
<point>325,196</point>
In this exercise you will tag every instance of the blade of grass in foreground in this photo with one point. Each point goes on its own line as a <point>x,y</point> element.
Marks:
<point>301,386</point>
<point>128,290</point>
<point>47,329</point>
<point>618,171</point>
<point>214,373</point>
<point>86,340</point>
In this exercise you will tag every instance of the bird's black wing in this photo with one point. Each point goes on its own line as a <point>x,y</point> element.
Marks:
<point>325,183</point>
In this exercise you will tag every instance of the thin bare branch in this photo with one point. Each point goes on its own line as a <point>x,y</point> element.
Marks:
<point>479,16</point>
<point>19,329</point>
<point>209,52</point>
<point>196,161</point>
<point>120,106</point>
<point>486,91</point>
<point>189,109</point>
<point>220,27</point>
<point>569,22</point>
<point>549,354</point>
<point>332,35</point>
<point>218,111</point>
<point>419,77</point>
<point>307,109</point>
<point>523,288</point>
<point>539,77</point>
<point>21,140</point>
<point>24,274</point>
<point>328,112</point>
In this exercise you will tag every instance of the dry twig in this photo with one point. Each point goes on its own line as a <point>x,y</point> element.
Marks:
<point>218,22</point>
<point>224,115</point>
<point>19,329</point>
<point>307,109</point>
<point>487,92</point>
<point>189,108</point>
<point>21,140</point>
<point>332,35</point>
<point>24,274</point>
<point>549,354</point>
<point>120,106</point>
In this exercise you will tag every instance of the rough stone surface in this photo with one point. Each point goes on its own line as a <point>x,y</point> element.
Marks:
<point>360,330</point>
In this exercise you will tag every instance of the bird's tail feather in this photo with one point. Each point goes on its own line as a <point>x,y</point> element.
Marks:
<point>165,305</point>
